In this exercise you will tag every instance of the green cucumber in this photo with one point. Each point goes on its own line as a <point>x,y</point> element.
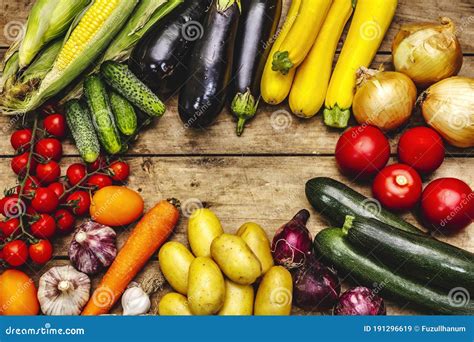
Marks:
<point>335,201</point>
<point>102,116</point>
<point>122,80</point>
<point>331,244</point>
<point>80,124</point>
<point>420,257</point>
<point>125,116</point>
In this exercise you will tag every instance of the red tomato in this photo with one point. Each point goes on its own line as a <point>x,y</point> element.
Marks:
<point>48,172</point>
<point>362,151</point>
<point>44,227</point>
<point>99,181</point>
<point>20,162</point>
<point>120,171</point>
<point>58,188</point>
<point>41,252</point>
<point>421,148</point>
<point>447,204</point>
<point>99,163</point>
<point>49,148</point>
<point>15,253</point>
<point>55,124</point>
<point>11,206</point>
<point>76,173</point>
<point>397,187</point>
<point>80,202</point>
<point>45,201</point>
<point>21,139</point>
<point>10,226</point>
<point>31,184</point>
<point>64,220</point>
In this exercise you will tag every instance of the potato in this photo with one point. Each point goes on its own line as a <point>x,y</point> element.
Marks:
<point>236,259</point>
<point>175,260</point>
<point>206,287</point>
<point>238,300</point>
<point>203,228</point>
<point>257,240</point>
<point>173,304</point>
<point>275,293</point>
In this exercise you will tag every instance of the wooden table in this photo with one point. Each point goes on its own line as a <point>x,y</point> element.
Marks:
<point>261,176</point>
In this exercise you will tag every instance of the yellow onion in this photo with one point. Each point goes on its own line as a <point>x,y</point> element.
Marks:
<point>448,107</point>
<point>383,98</point>
<point>426,52</point>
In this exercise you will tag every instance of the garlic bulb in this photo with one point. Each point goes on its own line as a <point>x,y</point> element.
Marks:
<point>427,53</point>
<point>135,301</point>
<point>63,291</point>
<point>448,107</point>
<point>93,247</point>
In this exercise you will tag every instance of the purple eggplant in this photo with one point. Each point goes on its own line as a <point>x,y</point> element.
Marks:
<point>360,301</point>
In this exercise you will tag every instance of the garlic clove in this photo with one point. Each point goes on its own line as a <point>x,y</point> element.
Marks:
<point>135,301</point>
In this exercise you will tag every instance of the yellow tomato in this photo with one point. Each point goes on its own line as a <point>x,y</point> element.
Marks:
<point>17,294</point>
<point>116,206</point>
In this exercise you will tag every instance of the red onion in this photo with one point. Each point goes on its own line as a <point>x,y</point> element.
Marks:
<point>360,301</point>
<point>292,242</point>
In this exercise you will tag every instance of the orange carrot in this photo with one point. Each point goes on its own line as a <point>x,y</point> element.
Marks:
<point>148,235</point>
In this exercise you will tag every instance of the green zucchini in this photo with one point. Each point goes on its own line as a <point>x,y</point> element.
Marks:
<point>80,124</point>
<point>122,80</point>
<point>125,116</point>
<point>336,200</point>
<point>102,116</point>
<point>332,245</point>
<point>419,257</point>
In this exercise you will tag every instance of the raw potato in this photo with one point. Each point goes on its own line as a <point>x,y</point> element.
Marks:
<point>203,228</point>
<point>174,304</point>
<point>275,293</point>
<point>238,300</point>
<point>206,287</point>
<point>257,240</point>
<point>175,260</point>
<point>236,259</point>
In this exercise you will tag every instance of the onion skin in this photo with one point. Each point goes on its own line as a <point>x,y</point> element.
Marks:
<point>427,52</point>
<point>384,99</point>
<point>360,301</point>
<point>448,107</point>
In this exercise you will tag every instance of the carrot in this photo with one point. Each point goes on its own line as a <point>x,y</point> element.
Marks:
<point>148,235</point>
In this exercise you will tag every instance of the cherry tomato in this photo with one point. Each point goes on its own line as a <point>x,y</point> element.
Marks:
<point>11,206</point>
<point>48,172</point>
<point>362,151</point>
<point>45,201</point>
<point>21,139</point>
<point>120,171</point>
<point>76,173</point>
<point>58,188</point>
<point>20,162</point>
<point>99,181</point>
<point>447,204</point>
<point>30,211</point>
<point>421,148</point>
<point>398,187</point>
<point>55,124</point>
<point>49,148</point>
<point>64,220</point>
<point>10,226</point>
<point>15,253</point>
<point>44,227</point>
<point>31,184</point>
<point>80,202</point>
<point>99,163</point>
<point>41,252</point>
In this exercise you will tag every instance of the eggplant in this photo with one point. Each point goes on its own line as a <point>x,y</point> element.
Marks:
<point>159,58</point>
<point>203,96</point>
<point>257,27</point>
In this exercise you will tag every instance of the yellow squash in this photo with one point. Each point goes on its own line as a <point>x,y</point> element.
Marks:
<point>369,25</point>
<point>302,35</point>
<point>312,77</point>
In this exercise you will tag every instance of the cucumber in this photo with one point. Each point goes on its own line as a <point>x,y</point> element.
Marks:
<point>336,200</point>
<point>80,124</point>
<point>419,257</point>
<point>330,243</point>
<point>102,116</point>
<point>125,116</point>
<point>122,80</point>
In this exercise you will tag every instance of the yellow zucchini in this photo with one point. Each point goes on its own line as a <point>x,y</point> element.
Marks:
<point>275,86</point>
<point>312,77</point>
<point>302,35</point>
<point>369,24</point>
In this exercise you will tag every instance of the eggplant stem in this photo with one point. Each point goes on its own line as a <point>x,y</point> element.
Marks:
<point>336,117</point>
<point>244,106</point>
<point>224,5</point>
<point>282,62</point>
